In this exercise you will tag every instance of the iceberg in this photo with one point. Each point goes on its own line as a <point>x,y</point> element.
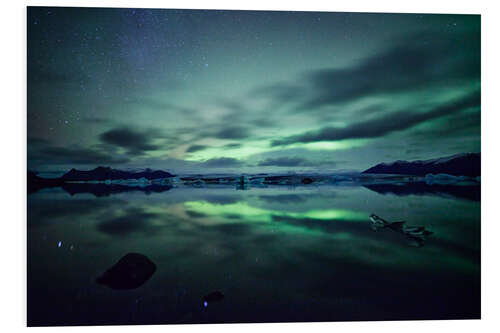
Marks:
<point>417,234</point>
<point>443,178</point>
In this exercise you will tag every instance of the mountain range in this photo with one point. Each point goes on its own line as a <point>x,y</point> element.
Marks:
<point>104,173</point>
<point>468,164</point>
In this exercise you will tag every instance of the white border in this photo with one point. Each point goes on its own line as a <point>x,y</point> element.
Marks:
<point>13,165</point>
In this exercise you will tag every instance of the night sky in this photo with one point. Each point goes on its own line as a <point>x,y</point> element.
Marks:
<point>248,91</point>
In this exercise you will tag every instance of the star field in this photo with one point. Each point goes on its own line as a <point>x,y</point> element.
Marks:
<point>202,90</point>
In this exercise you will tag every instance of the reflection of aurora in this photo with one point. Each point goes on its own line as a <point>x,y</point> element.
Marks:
<point>349,230</point>
<point>304,246</point>
<point>244,211</point>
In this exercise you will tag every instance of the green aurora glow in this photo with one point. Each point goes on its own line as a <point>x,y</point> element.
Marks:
<point>194,90</point>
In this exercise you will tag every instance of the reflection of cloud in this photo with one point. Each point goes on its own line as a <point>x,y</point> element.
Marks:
<point>133,220</point>
<point>284,198</point>
<point>344,228</point>
<point>43,211</point>
<point>232,229</point>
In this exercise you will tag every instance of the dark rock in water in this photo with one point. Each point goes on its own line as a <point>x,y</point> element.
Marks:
<point>130,272</point>
<point>307,180</point>
<point>215,296</point>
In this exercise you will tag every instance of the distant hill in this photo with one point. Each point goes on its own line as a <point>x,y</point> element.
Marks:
<point>468,164</point>
<point>104,173</point>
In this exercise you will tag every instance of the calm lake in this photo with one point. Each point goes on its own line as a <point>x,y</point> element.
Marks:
<point>276,253</point>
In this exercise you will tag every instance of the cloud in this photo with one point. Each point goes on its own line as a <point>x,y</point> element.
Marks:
<point>263,122</point>
<point>195,148</point>
<point>463,124</point>
<point>137,143</point>
<point>232,145</point>
<point>233,132</point>
<point>75,155</point>
<point>194,214</point>
<point>222,162</point>
<point>285,162</point>
<point>381,126</point>
<point>236,107</point>
<point>419,61</point>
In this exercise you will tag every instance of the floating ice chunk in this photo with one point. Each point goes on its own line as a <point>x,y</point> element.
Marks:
<point>443,178</point>
<point>244,179</point>
<point>417,234</point>
<point>257,181</point>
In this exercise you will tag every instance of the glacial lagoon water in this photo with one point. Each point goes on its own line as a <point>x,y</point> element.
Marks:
<point>268,254</point>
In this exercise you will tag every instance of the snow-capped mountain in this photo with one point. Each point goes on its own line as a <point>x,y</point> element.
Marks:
<point>467,164</point>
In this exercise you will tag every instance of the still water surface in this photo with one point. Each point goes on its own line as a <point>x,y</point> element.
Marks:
<point>304,253</point>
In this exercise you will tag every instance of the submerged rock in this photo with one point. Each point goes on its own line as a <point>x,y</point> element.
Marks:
<point>215,296</point>
<point>130,272</point>
<point>307,180</point>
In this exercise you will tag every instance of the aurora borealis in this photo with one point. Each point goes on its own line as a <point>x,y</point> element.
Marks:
<point>209,91</point>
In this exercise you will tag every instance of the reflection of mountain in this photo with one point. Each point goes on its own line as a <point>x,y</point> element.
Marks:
<point>36,183</point>
<point>472,192</point>
<point>457,165</point>
<point>100,189</point>
<point>105,173</point>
